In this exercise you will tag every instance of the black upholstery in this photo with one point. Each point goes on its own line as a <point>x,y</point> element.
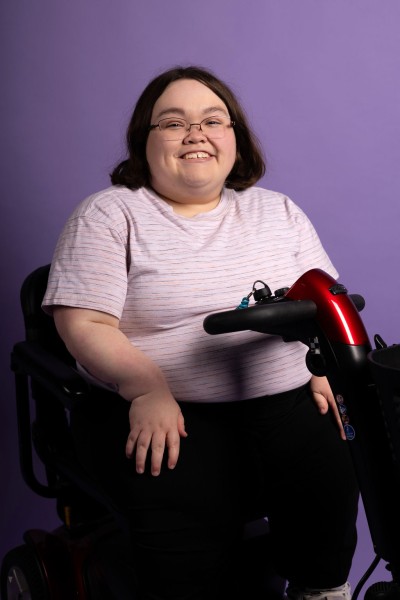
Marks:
<point>45,373</point>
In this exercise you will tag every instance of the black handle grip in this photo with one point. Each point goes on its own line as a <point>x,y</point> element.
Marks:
<point>274,318</point>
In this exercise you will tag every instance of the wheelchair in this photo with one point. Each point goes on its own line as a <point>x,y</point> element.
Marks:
<point>319,312</point>
<point>85,558</point>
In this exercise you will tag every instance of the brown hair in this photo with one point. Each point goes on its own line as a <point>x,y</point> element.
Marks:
<point>134,172</point>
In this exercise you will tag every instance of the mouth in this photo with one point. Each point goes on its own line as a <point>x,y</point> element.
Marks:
<point>194,155</point>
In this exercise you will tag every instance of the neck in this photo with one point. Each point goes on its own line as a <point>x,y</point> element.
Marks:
<point>191,207</point>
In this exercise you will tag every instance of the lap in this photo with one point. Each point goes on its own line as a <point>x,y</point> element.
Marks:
<point>236,459</point>
<point>273,456</point>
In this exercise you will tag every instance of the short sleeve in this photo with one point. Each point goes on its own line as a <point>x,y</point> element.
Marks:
<point>311,253</point>
<point>89,267</point>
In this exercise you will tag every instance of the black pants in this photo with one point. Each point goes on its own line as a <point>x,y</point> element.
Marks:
<point>274,456</point>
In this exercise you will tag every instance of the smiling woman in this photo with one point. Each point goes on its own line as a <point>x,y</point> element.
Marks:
<point>189,172</point>
<point>214,430</point>
<point>134,172</point>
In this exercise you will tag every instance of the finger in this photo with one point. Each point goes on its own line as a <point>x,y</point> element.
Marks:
<point>333,406</point>
<point>173,445</point>
<point>157,452</point>
<point>181,425</point>
<point>131,443</point>
<point>142,447</point>
<point>338,419</point>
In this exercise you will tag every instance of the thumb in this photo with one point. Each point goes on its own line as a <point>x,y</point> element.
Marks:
<point>321,402</point>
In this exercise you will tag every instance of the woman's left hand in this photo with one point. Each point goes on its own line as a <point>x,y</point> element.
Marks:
<point>324,400</point>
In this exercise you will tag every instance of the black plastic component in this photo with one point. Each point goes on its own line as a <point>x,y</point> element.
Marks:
<point>262,293</point>
<point>379,342</point>
<point>338,288</point>
<point>281,292</point>
<point>316,363</point>
<point>358,301</point>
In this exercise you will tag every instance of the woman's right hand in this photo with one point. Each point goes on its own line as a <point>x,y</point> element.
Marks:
<point>156,424</point>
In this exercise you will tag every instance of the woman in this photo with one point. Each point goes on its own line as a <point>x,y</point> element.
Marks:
<point>218,427</point>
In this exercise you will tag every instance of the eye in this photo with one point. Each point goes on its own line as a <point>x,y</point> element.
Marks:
<point>213,121</point>
<point>172,124</point>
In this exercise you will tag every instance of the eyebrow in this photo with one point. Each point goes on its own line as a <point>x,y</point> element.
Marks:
<point>180,111</point>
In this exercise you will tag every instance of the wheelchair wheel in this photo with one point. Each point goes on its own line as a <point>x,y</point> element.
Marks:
<point>22,577</point>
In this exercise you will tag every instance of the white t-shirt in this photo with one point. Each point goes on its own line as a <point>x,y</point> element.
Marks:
<point>127,253</point>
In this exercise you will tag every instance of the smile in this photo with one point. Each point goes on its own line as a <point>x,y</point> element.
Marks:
<point>191,155</point>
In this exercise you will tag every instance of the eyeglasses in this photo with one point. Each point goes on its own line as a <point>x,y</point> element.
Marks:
<point>174,128</point>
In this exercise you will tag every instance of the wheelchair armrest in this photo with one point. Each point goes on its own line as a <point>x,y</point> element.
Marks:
<point>39,371</point>
<point>32,363</point>
<point>35,361</point>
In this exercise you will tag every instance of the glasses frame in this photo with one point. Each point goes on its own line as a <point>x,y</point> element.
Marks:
<point>189,125</point>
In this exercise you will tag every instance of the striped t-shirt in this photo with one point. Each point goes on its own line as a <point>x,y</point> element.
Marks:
<point>127,253</point>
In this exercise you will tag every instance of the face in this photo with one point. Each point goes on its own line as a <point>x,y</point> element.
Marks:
<point>189,173</point>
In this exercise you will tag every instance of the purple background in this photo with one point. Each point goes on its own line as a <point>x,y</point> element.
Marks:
<point>321,83</point>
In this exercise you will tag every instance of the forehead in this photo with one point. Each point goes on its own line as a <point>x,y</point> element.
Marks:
<point>187,96</point>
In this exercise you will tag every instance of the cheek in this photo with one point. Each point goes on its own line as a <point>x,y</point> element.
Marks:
<point>150,153</point>
<point>154,156</point>
<point>232,154</point>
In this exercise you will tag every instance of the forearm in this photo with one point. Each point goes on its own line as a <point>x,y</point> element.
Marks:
<point>107,353</point>
<point>156,422</point>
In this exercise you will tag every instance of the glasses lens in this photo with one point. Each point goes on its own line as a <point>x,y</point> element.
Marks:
<point>214,127</point>
<point>173,129</point>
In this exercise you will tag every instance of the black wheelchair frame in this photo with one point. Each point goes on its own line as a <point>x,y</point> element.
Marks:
<point>85,558</point>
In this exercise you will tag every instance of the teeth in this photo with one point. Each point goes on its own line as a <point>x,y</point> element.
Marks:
<point>196,155</point>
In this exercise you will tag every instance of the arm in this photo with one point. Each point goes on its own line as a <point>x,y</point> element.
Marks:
<point>95,341</point>
<point>324,400</point>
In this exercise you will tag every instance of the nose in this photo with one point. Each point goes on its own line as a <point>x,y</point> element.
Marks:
<point>194,133</point>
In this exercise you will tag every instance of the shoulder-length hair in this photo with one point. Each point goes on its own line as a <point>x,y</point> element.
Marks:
<point>134,172</point>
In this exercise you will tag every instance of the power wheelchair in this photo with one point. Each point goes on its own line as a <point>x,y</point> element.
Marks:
<point>319,312</point>
<point>85,557</point>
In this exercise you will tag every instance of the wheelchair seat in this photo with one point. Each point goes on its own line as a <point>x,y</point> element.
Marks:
<point>85,558</point>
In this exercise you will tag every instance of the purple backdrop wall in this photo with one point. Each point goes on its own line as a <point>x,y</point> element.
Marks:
<point>320,80</point>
